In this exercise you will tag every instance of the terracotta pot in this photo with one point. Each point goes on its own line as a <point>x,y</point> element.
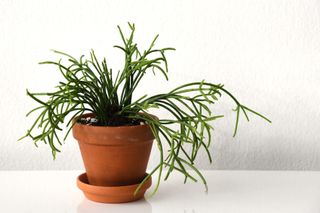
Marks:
<point>114,156</point>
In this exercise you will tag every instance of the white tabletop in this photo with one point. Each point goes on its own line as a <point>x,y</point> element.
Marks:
<point>229,191</point>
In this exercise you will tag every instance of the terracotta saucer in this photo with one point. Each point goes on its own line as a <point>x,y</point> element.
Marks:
<point>111,194</point>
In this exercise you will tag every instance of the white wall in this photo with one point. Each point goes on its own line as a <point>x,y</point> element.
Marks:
<point>266,52</point>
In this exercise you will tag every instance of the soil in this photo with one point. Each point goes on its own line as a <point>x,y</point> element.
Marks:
<point>116,121</point>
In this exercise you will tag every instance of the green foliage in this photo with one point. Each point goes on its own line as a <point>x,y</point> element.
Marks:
<point>91,86</point>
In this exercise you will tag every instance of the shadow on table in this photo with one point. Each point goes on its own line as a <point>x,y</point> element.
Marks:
<point>87,206</point>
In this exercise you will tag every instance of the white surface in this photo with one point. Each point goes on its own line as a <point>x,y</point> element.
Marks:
<point>229,191</point>
<point>266,52</point>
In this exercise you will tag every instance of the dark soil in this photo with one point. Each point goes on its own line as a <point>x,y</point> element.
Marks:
<point>116,121</point>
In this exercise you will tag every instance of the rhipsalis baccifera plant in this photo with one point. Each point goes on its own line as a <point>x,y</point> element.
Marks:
<point>90,85</point>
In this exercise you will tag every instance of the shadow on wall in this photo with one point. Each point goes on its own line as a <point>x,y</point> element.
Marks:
<point>87,206</point>
<point>275,153</point>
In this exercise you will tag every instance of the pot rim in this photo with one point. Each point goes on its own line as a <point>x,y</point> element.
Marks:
<point>112,135</point>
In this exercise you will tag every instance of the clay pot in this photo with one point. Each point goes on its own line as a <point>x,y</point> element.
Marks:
<point>114,156</point>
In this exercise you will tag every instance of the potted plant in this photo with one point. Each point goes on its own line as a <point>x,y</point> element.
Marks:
<point>115,131</point>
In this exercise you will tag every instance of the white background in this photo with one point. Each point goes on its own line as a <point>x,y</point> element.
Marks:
<point>266,52</point>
